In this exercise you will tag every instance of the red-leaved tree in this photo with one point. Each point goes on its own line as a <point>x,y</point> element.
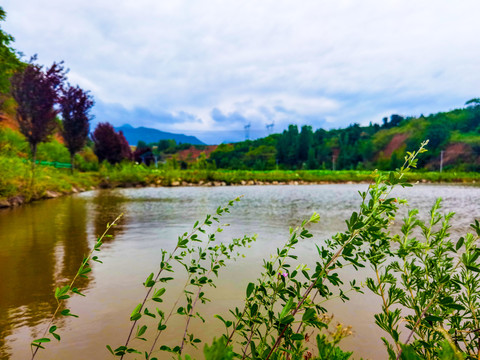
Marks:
<point>36,92</point>
<point>110,145</point>
<point>75,105</point>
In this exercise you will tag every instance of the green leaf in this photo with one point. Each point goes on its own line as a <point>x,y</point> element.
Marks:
<point>432,318</point>
<point>159,292</point>
<point>95,258</point>
<point>454,306</point>
<point>459,243</point>
<point>67,312</point>
<point>76,291</point>
<point>286,308</point>
<point>141,330</point>
<point>473,268</point>
<point>297,337</point>
<point>149,282</point>
<point>41,340</point>
<point>309,314</point>
<point>136,313</point>
<point>250,288</point>
<point>408,353</point>
<point>287,319</point>
<point>253,310</point>
<point>60,292</point>
<point>148,313</point>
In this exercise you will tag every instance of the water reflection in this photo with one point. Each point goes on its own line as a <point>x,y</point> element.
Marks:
<point>42,246</point>
<point>107,205</point>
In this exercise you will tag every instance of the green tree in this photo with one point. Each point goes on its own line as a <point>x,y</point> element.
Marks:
<point>75,105</point>
<point>305,142</point>
<point>9,61</point>
<point>36,92</point>
<point>141,145</point>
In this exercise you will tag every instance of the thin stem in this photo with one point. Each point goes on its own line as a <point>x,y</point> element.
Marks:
<point>272,302</point>
<point>159,332</point>
<point>146,298</point>
<point>60,302</point>
<point>418,321</point>
<point>151,288</point>
<point>248,343</point>
<point>234,328</point>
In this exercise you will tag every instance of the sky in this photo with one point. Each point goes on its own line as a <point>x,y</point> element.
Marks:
<point>208,68</point>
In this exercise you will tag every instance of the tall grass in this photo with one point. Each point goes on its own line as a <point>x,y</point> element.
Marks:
<point>15,179</point>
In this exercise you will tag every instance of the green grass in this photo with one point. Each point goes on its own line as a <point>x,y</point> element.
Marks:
<point>16,179</point>
<point>471,138</point>
<point>128,174</point>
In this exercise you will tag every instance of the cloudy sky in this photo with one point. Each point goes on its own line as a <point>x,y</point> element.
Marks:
<point>209,67</point>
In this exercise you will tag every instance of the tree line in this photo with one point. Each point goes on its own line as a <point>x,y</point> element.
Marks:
<point>359,147</point>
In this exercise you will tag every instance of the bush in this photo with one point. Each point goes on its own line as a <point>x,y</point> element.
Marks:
<point>12,143</point>
<point>53,151</point>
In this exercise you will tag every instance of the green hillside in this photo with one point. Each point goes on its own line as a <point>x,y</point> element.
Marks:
<point>455,133</point>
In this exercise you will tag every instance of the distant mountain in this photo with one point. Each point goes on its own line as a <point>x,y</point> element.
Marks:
<point>149,135</point>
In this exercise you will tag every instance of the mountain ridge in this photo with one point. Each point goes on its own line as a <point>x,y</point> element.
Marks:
<point>150,135</point>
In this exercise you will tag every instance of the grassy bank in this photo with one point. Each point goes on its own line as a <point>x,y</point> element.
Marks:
<point>16,178</point>
<point>129,174</point>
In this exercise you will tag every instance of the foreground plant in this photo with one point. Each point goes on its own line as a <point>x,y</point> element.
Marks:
<point>429,283</point>
<point>287,302</point>
<point>201,263</point>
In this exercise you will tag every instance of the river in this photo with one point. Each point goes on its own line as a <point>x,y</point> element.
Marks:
<point>43,243</point>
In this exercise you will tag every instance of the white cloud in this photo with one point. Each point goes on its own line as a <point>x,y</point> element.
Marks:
<point>328,63</point>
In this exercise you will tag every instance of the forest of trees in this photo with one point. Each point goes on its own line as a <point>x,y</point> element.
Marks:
<point>358,147</point>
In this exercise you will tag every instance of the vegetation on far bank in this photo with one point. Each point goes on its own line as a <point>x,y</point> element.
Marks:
<point>16,172</point>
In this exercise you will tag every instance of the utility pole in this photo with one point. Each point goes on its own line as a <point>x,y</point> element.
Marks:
<point>247,131</point>
<point>270,128</point>
<point>441,160</point>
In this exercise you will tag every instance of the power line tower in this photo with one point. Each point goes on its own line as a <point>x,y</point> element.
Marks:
<point>247,131</point>
<point>441,160</point>
<point>270,127</point>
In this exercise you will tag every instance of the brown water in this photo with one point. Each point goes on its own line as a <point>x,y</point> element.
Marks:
<point>42,244</point>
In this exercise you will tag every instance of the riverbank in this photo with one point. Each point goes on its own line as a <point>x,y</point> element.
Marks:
<point>16,186</point>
